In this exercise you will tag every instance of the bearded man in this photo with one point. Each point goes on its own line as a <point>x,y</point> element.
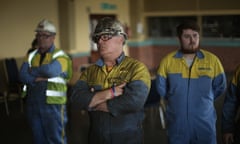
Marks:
<point>190,79</point>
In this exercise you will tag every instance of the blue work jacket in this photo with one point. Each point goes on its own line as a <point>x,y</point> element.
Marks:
<point>190,93</point>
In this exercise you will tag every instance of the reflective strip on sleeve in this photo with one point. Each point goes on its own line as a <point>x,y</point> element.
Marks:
<point>24,88</point>
<point>55,93</point>
<point>57,80</point>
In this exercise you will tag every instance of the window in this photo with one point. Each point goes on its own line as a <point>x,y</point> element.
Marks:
<point>213,26</point>
<point>165,26</point>
<point>226,26</point>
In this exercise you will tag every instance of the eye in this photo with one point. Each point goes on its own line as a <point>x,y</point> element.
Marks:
<point>44,36</point>
<point>186,36</point>
<point>195,36</point>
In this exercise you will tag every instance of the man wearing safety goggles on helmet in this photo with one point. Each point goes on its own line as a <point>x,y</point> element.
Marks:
<point>113,90</point>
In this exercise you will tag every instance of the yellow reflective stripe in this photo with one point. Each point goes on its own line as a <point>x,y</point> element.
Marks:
<point>56,100</point>
<point>57,80</point>
<point>54,93</point>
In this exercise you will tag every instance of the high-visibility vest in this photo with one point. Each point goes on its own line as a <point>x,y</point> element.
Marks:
<point>57,86</point>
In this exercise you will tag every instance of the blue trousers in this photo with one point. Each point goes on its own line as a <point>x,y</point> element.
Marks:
<point>47,122</point>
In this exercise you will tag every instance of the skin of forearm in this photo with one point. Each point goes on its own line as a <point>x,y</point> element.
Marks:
<point>40,79</point>
<point>100,97</point>
<point>102,107</point>
<point>103,96</point>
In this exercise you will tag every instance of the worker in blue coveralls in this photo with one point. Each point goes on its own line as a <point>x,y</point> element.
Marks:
<point>230,113</point>
<point>113,90</point>
<point>190,79</point>
<point>46,72</point>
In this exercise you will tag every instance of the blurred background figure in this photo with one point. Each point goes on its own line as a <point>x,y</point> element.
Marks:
<point>46,71</point>
<point>230,113</point>
<point>190,80</point>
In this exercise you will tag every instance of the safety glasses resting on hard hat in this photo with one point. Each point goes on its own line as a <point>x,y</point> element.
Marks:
<point>107,34</point>
<point>104,37</point>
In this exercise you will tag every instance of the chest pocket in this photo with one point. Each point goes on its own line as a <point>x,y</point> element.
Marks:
<point>205,69</point>
<point>120,77</point>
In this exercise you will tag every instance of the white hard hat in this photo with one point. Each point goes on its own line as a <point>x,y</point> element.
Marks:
<point>45,26</point>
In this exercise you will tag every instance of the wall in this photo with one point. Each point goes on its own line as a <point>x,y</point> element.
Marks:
<point>81,11</point>
<point>151,55</point>
<point>19,19</point>
<point>71,17</point>
<point>18,22</point>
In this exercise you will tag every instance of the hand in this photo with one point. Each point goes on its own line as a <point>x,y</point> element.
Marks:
<point>40,79</point>
<point>119,89</point>
<point>228,138</point>
<point>101,107</point>
<point>103,96</point>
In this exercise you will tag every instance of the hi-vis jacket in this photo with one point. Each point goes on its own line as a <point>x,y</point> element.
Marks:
<point>125,116</point>
<point>56,67</point>
<point>231,105</point>
<point>190,93</point>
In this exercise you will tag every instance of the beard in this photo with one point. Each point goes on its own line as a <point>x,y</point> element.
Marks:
<point>189,51</point>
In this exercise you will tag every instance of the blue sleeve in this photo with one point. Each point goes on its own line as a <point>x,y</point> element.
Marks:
<point>132,100</point>
<point>24,74</point>
<point>161,85</point>
<point>219,85</point>
<point>80,95</point>
<point>229,110</point>
<point>52,69</point>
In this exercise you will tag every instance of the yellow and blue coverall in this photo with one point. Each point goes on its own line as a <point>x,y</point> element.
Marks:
<point>190,93</point>
<point>45,101</point>
<point>230,117</point>
<point>123,123</point>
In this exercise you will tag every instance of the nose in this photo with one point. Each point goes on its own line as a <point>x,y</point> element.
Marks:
<point>191,38</point>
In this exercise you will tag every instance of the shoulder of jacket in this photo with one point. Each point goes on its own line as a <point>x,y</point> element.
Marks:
<point>208,54</point>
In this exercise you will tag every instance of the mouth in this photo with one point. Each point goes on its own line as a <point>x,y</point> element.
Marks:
<point>192,46</point>
<point>101,47</point>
